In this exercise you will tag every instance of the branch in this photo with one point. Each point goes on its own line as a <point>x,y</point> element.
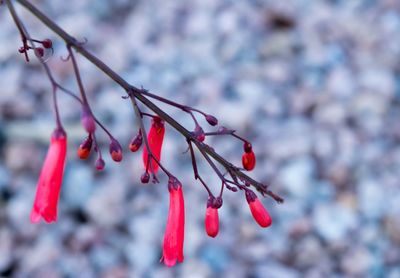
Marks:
<point>140,94</point>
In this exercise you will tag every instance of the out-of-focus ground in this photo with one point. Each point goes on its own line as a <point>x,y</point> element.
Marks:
<point>315,85</point>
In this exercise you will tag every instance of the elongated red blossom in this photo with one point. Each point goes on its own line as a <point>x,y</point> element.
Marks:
<point>155,139</point>
<point>174,232</point>
<point>211,221</point>
<point>260,214</point>
<point>49,184</point>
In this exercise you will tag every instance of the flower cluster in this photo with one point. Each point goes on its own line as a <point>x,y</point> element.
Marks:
<point>50,179</point>
<point>39,51</point>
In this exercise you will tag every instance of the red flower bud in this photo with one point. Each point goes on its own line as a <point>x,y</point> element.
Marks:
<point>211,120</point>
<point>136,142</point>
<point>211,221</point>
<point>174,232</point>
<point>100,164</point>
<point>260,214</point>
<point>115,150</point>
<point>199,133</point>
<point>49,184</point>
<point>47,43</point>
<point>155,139</point>
<point>145,178</point>
<point>39,51</point>
<point>85,148</point>
<point>87,120</point>
<point>249,161</point>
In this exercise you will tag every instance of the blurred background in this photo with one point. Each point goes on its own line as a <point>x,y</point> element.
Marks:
<point>315,85</point>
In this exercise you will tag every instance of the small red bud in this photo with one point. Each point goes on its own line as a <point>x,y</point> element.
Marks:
<point>211,221</point>
<point>211,120</point>
<point>100,164</point>
<point>136,142</point>
<point>39,51</point>
<point>199,133</point>
<point>115,150</point>
<point>47,43</point>
<point>21,49</point>
<point>249,161</point>
<point>260,214</point>
<point>145,178</point>
<point>85,148</point>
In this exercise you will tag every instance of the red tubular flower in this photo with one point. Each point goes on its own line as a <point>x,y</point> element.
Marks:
<point>155,139</point>
<point>260,214</point>
<point>174,232</point>
<point>211,221</point>
<point>248,158</point>
<point>49,184</point>
<point>249,161</point>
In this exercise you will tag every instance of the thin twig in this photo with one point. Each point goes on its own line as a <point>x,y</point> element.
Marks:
<point>195,170</point>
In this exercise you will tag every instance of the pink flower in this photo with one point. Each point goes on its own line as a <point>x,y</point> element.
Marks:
<point>260,214</point>
<point>174,232</point>
<point>155,139</point>
<point>211,221</point>
<point>49,184</point>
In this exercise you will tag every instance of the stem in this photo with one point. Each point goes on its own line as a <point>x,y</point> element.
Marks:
<point>78,76</point>
<point>55,85</point>
<point>185,108</point>
<point>136,93</point>
<point>195,170</point>
<point>25,37</point>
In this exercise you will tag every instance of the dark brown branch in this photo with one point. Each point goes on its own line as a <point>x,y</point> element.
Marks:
<point>139,94</point>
